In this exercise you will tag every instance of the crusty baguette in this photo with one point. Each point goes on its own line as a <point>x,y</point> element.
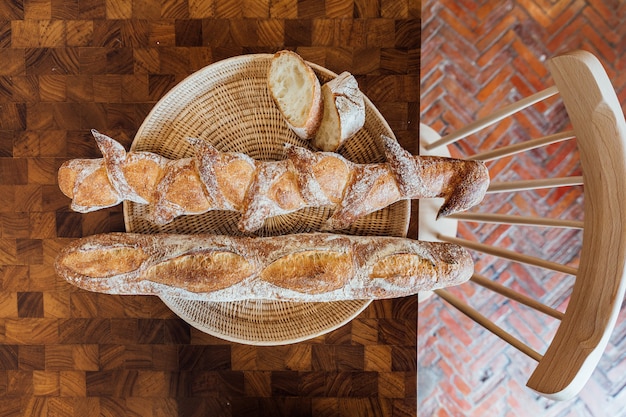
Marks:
<point>344,112</point>
<point>302,267</point>
<point>295,89</point>
<point>213,180</point>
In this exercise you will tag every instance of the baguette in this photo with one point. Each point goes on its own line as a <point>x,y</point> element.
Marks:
<point>213,180</point>
<point>311,267</point>
<point>344,112</point>
<point>295,89</point>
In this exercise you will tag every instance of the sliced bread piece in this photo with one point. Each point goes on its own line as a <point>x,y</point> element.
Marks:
<point>344,112</point>
<point>295,89</point>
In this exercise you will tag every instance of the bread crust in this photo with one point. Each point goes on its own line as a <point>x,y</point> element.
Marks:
<point>344,112</point>
<point>303,267</point>
<point>213,180</point>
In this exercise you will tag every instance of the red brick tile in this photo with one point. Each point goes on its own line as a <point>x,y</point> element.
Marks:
<point>467,74</point>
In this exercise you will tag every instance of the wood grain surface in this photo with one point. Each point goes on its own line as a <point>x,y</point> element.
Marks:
<point>67,66</point>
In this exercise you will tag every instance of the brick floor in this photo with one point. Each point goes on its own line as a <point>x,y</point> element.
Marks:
<point>477,56</point>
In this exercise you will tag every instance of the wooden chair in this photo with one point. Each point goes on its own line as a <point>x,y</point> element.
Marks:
<point>599,128</point>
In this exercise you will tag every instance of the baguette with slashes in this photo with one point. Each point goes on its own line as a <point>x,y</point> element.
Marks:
<point>214,180</point>
<point>307,267</point>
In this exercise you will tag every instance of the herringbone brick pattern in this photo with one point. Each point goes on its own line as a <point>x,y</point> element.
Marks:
<point>476,57</point>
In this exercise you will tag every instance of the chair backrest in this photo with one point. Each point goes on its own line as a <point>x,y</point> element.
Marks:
<point>598,290</point>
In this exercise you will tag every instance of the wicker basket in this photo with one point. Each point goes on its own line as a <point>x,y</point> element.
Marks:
<point>228,104</point>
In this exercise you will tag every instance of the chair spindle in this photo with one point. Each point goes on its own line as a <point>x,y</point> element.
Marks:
<point>510,255</point>
<point>516,296</point>
<point>493,118</point>
<point>517,148</point>
<point>488,324</point>
<point>516,220</point>
<point>536,184</point>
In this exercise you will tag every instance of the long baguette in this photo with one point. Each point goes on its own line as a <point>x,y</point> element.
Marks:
<point>302,267</point>
<point>213,180</point>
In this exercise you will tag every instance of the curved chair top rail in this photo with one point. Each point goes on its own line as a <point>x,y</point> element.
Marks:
<point>600,129</point>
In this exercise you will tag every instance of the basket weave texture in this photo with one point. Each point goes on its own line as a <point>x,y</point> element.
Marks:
<point>228,104</point>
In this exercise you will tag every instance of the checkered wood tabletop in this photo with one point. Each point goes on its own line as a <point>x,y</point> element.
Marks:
<point>68,66</point>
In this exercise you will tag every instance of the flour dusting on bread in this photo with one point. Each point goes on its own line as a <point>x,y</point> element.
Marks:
<point>232,181</point>
<point>307,267</point>
<point>344,112</point>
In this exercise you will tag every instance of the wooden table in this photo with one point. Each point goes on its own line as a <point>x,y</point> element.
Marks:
<point>67,66</point>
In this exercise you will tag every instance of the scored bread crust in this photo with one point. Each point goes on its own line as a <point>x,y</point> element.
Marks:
<point>214,180</point>
<point>344,112</point>
<point>306,267</point>
<point>296,90</point>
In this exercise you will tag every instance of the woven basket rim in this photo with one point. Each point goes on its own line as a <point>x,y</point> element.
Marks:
<point>333,323</point>
<point>276,342</point>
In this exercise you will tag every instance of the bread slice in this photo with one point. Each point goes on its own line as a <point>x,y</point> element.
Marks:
<point>295,89</point>
<point>344,112</point>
